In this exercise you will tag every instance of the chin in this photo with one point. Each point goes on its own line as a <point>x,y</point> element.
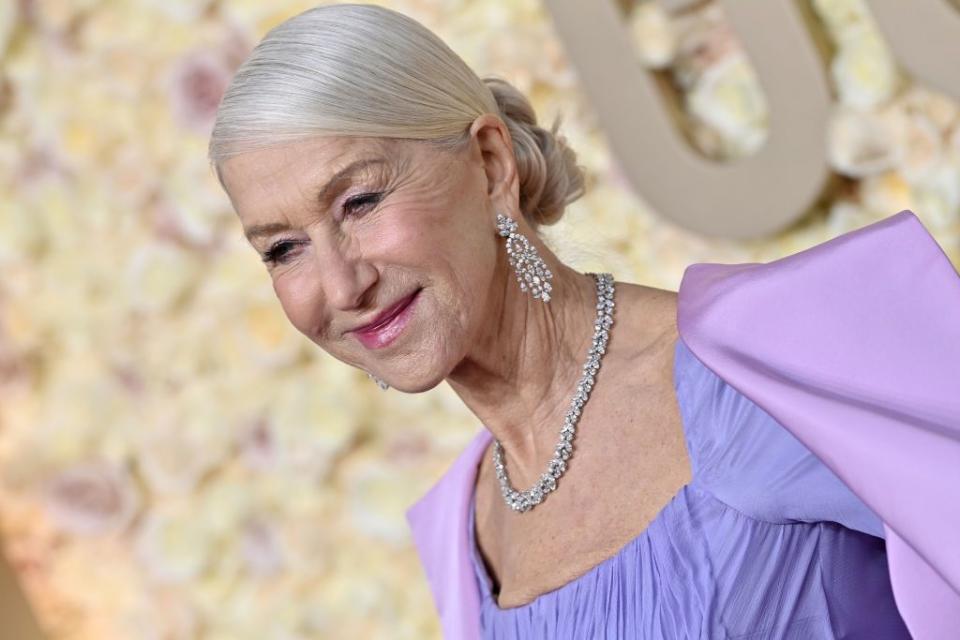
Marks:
<point>416,384</point>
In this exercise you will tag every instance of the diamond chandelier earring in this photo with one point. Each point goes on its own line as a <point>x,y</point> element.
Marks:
<point>380,383</point>
<point>532,272</point>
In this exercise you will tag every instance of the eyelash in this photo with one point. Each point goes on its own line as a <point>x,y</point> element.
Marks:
<point>278,250</point>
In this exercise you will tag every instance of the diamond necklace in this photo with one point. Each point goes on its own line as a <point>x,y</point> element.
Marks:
<point>526,500</point>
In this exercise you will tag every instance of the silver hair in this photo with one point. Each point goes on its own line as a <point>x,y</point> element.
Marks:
<point>365,70</point>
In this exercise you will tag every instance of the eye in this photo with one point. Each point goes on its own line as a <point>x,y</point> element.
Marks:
<point>278,252</point>
<point>361,202</point>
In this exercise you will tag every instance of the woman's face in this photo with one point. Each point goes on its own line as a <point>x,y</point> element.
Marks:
<point>349,227</point>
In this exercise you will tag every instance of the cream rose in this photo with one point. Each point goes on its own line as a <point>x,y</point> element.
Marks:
<point>173,545</point>
<point>729,99</point>
<point>864,72</point>
<point>862,143</point>
<point>653,35</point>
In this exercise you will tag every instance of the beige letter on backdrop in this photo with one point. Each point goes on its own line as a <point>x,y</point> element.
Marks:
<point>924,36</point>
<point>767,191</point>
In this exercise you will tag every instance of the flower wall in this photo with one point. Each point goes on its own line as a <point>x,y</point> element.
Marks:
<point>176,461</point>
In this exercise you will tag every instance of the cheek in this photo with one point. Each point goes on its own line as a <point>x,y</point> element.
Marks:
<point>460,259</point>
<point>402,234</point>
<point>301,297</point>
<point>411,237</point>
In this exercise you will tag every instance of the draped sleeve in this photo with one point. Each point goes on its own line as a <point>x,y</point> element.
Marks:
<point>749,461</point>
<point>853,347</point>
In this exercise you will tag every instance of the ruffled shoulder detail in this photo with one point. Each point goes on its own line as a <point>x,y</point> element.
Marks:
<point>853,345</point>
<point>750,462</point>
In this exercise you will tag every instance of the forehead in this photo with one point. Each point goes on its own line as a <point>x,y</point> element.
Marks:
<point>295,162</point>
<point>278,175</point>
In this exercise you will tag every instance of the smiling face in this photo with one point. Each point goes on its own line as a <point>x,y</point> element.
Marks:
<point>399,217</point>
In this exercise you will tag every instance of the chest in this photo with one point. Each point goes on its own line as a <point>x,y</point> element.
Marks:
<point>631,459</point>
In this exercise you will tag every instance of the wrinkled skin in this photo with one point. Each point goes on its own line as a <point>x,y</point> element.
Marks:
<point>430,223</point>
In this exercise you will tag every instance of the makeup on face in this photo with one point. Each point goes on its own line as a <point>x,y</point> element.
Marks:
<point>386,329</point>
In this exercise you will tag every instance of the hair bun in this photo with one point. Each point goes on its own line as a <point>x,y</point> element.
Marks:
<point>547,169</point>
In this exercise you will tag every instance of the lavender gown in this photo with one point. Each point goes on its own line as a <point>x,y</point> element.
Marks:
<point>820,397</point>
<point>764,542</point>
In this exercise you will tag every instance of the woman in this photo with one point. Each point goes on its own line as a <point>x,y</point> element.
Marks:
<point>738,459</point>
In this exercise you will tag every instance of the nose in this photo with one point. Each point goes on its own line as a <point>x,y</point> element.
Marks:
<point>345,277</point>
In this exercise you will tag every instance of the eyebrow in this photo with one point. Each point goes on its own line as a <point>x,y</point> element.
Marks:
<point>323,194</point>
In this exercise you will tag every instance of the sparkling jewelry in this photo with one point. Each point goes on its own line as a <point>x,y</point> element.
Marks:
<point>532,272</point>
<point>380,383</point>
<point>525,500</point>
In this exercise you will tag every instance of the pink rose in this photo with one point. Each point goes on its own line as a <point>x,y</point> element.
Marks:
<point>261,547</point>
<point>197,82</point>
<point>92,498</point>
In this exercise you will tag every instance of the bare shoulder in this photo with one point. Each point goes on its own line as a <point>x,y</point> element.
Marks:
<point>638,398</point>
<point>647,319</point>
<point>652,302</point>
<point>644,375</point>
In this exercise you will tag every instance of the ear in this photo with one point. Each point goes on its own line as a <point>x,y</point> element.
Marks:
<point>494,148</point>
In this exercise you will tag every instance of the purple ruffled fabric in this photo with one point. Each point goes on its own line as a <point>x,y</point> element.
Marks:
<point>765,542</point>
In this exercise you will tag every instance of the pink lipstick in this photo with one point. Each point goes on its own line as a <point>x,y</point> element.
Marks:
<point>386,329</point>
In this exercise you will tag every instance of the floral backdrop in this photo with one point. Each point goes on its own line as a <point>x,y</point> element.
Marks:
<point>176,461</point>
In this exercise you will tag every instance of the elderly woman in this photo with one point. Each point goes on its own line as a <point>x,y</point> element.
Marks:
<point>738,459</point>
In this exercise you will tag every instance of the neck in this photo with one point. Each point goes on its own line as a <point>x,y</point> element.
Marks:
<point>521,371</point>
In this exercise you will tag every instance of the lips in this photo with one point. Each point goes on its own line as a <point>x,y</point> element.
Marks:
<point>387,314</point>
<point>390,324</point>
